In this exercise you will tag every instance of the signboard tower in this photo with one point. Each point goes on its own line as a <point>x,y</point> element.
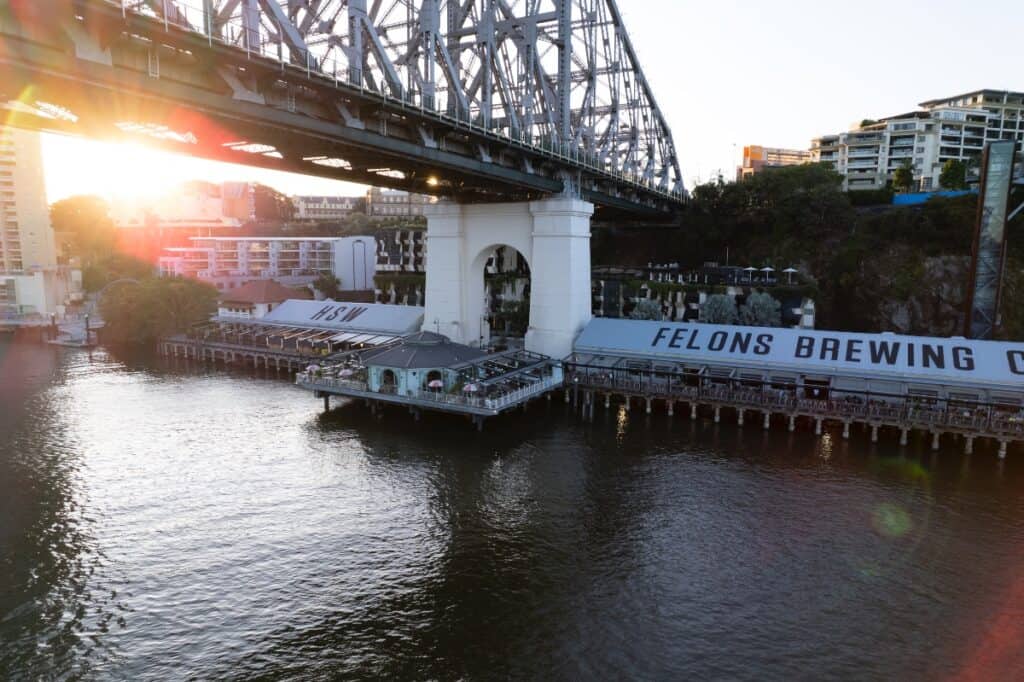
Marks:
<point>989,253</point>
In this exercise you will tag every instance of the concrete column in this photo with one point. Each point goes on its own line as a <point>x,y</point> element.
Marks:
<point>560,295</point>
<point>671,408</point>
<point>792,424</point>
<point>693,410</point>
<point>846,430</point>
<point>607,400</point>
<point>1003,447</point>
<point>718,415</point>
<point>739,419</point>
<point>446,272</point>
<point>817,427</point>
<point>767,420</point>
<point>874,433</point>
<point>904,436</point>
<point>936,440</point>
<point>969,445</point>
<point>628,403</point>
<point>648,405</point>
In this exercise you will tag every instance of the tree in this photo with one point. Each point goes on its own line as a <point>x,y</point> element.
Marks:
<point>156,307</point>
<point>646,309</point>
<point>903,178</point>
<point>83,228</point>
<point>761,310</point>
<point>719,309</point>
<point>328,285</point>
<point>954,175</point>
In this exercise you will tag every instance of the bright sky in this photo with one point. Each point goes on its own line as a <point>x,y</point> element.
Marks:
<point>726,73</point>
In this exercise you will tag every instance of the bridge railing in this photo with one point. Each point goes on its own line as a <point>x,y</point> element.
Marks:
<point>192,16</point>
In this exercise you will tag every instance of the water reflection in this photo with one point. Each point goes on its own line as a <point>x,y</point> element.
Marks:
<point>168,522</point>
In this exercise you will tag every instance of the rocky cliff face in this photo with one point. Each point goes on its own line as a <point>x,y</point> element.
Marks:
<point>926,298</point>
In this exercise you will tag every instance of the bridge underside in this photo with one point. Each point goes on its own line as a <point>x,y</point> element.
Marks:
<point>105,75</point>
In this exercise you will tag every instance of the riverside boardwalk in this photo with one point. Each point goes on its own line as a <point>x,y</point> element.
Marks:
<point>942,387</point>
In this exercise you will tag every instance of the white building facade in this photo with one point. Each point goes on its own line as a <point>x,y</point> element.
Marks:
<point>230,262</point>
<point>954,128</point>
<point>324,208</point>
<point>389,203</point>
<point>31,281</point>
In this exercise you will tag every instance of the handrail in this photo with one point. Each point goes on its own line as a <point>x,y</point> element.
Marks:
<point>905,412</point>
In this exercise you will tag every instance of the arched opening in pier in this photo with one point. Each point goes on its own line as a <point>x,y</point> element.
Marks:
<point>505,313</point>
<point>388,379</point>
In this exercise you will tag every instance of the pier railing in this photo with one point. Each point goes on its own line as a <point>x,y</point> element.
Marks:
<point>495,403</point>
<point>906,412</point>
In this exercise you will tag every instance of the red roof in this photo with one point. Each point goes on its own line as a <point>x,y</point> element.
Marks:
<point>263,291</point>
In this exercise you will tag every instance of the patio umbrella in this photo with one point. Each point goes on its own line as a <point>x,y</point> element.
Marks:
<point>790,272</point>
<point>313,368</point>
<point>346,373</point>
<point>471,388</point>
<point>750,272</point>
<point>767,270</point>
<point>436,383</point>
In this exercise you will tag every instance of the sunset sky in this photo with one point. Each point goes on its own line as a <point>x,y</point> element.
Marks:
<point>726,73</point>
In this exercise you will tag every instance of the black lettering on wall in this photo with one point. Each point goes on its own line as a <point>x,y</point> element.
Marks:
<point>911,356</point>
<point>764,344</point>
<point>718,341</point>
<point>662,333</point>
<point>963,359</point>
<point>933,356</point>
<point>692,343</point>
<point>883,351</point>
<point>741,343</point>
<point>804,347</point>
<point>1016,360</point>
<point>853,350</point>
<point>333,316</point>
<point>677,337</point>
<point>323,311</point>
<point>830,346</point>
<point>356,312</point>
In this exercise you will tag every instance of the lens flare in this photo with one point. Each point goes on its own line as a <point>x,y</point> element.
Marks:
<point>892,521</point>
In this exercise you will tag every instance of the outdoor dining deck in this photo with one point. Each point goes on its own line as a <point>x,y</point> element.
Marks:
<point>905,414</point>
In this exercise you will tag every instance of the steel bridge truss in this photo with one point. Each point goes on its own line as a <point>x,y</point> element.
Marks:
<point>546,88</point>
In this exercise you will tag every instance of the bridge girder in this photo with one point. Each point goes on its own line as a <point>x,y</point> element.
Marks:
<point>533,95</point>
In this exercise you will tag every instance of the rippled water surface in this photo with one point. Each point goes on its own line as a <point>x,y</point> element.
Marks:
<point>159,522</point>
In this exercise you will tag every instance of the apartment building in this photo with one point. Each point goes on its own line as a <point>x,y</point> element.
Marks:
<point>31,281</point>
<point>388,203</point>
<point>230,262</point>
<point>757,158</point>
<point>942,129</point>
<point>401,251</point>
<point>324,208</point>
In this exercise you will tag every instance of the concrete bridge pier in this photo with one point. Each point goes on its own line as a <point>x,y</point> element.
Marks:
<point>904,436</point>
<point>648,400</point>
<point>671,407</point>
<point>767,421</point>
<point>718,415</point>
<point>693,411</point>
<point>792,424</point>
<point>874,433</point>
<point>739,420</point>
<point>936,440</point>
<point>969,445</point>
<point>1003,447</point>
<point>817,427</point>
<point>552,236</point>
<point>607,400</point>
<point>846,430</point>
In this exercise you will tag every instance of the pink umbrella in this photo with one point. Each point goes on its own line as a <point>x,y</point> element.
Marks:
<point>471,388</point>
<point>436,383</point>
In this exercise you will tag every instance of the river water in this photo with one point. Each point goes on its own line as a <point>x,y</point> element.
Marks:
<point>160,522</point>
